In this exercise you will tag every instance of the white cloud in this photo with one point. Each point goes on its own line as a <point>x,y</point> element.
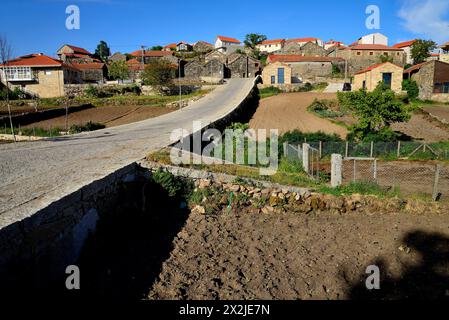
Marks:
<point>427,18</point>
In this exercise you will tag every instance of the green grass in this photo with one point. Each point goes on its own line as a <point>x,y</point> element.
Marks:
<point>269,92</point>
<point>363,188</point>
<point>153,100</point>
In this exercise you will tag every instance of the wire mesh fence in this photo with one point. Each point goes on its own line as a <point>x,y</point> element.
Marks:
<point>404,177</point>
<point>380,150</point>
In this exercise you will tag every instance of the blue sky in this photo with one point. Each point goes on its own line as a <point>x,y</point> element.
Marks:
<point>39,25</point>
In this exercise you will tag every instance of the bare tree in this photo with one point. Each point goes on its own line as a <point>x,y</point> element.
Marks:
<point>5,56</point>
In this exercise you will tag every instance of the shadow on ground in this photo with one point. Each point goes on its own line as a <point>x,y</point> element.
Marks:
<point>428,279</point>
<point>124,257</point>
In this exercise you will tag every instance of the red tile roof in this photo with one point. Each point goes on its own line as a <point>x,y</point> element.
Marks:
<point>35,60</point>
<point>134,65</point>
<point>227,39</point>
<point>299,58</point>
<point>445,45</point>
<point>151,53</point>
<point>404,44</point>
<point>275,41</point>
<point>170,46</point>
<point>78,49</point>
<point>88,66</point>
<point>373,47</point>
<point>375,67</point>
<point>301,40</point>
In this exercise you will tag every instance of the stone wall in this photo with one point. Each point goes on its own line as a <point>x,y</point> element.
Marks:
<point>50,240</point>
<point>362,59</point>
<point>244,67</point>
<point>424,79</point>
<point>373,77</point>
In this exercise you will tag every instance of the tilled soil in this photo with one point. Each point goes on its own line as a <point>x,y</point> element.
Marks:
<point>288,111</point>
<point>109,116</point>
<point>296,256</point>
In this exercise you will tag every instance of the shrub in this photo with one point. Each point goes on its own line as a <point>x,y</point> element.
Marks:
<point>298,137</point>
<point>412,89</point>
<point>175,186</point>
<point>269,91</point>
<point>90,126</point>
<point>159,73</point>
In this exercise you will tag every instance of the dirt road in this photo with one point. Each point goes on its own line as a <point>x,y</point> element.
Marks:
<point>288,112</point>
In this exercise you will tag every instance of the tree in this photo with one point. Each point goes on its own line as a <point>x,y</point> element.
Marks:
<point>159,73</point>
<point>157,48</point>
<point>253,39</point>
<point>385,58</point>
<point>118,70</point>
<point>421,50</point>
<point>5,56</point>
<point>102,51</point>
<point>375,112</point>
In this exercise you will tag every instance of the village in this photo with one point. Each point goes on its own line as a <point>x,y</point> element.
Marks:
<point>284,63</point>
<point>361,179</point>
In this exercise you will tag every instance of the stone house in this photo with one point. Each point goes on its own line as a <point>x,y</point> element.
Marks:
<point>193,69</point>
<point>94,72</point>
<point>277,73</point>
<point>203,47</point>
<point>215,55</point>
<point>313,50</point>
<point>306,68</point>
<point>407,47</point>
<point>303,41</point>
<point>117,57</point>
<point>213,71</point>
<point>332,43</point>
<point>151,55</point>
<point>227,44</point>
<point>135,68</point>
<point>432,78</point>
<point>362,56</point>
<point>72,54</point>
<point>242,66</point>
<point>369,78</point>
<point>270,46</point>
<point>39,75</point>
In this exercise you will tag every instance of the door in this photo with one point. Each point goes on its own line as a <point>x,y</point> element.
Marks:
<point>386,77</point>
<point>281,74</point>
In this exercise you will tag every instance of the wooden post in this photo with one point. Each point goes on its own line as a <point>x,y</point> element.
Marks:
<point>436,194</point>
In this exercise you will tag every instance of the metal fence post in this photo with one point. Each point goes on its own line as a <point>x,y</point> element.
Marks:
<point>355,172</point>
<point>336,170</point>
<point>399,149</point>
<point>372,149</point>
<point>305,157</point>
<point>347,149</point>
<point>321,149</point>
<point>375,170</point>
<point>285,149</point>
<point>436,194</point>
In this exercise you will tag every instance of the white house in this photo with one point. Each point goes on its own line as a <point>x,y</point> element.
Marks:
<point>226,44</point>
<point>374,38</point>
<point>407,47</point>
<point>270,46</point>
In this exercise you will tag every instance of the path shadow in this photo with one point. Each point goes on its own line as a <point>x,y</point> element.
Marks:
<point>125,256</point>
<point>426,280</point>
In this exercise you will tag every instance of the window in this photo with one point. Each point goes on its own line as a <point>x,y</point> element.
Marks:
<point>386,54</point>
<point>371,53</point>
<point>273,79</point>
<point>359,53</point>
<point>441,87</point>
<point>18,73</point>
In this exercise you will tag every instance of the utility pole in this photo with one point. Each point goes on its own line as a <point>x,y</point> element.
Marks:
<point>179,82</point>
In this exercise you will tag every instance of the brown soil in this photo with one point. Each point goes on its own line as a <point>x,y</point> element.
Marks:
<point>420,127</point>
<point>109,116</point>
<point>442,112</point>
<point>296,256</point>
<point>288,111</point>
